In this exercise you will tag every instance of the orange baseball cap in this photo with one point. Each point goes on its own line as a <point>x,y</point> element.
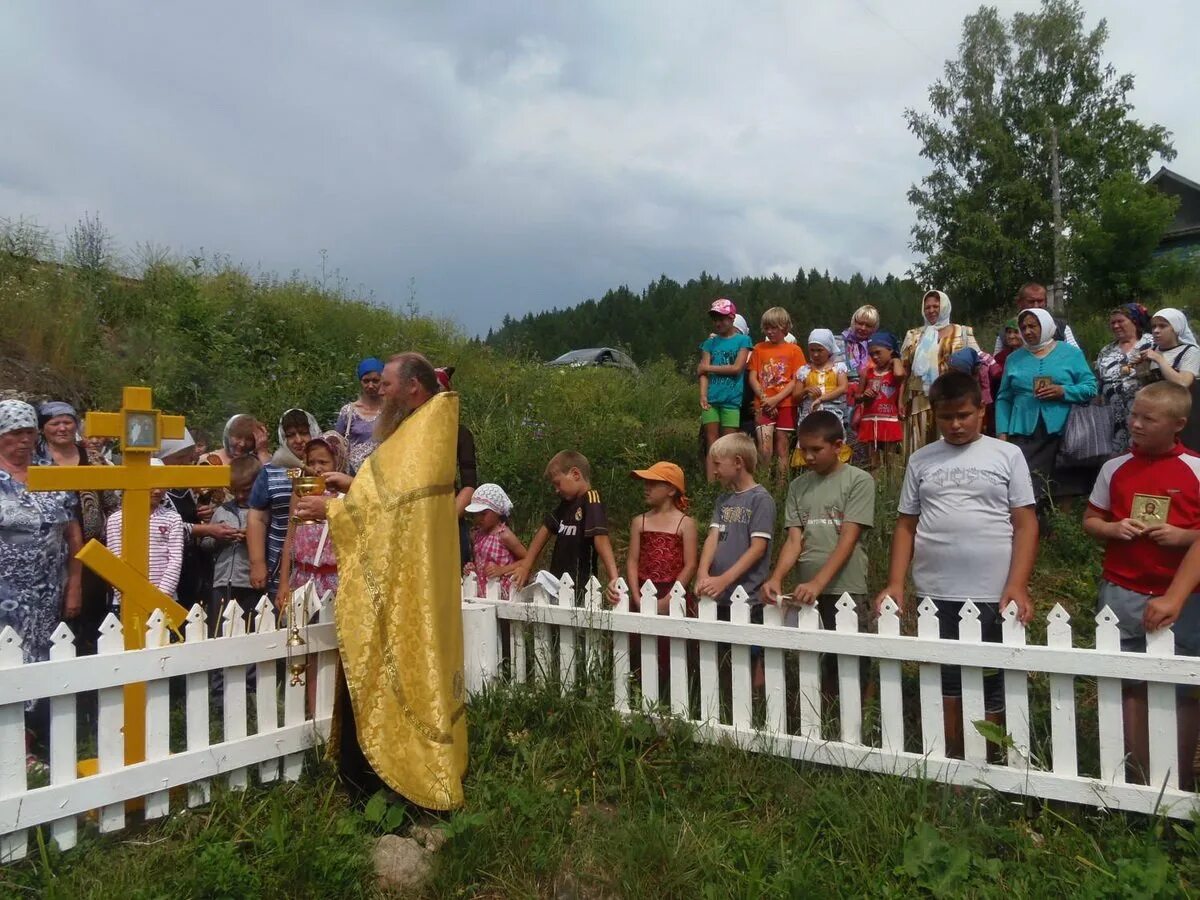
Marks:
<point>663,471</point>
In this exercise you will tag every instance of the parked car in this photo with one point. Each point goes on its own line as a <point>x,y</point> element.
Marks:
<point>596,356</point>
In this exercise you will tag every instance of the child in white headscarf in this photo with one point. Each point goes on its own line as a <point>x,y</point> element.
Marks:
<point>823,380</point>
<point>1175,356</point>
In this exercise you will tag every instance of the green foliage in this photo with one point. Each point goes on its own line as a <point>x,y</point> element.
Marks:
<point>1113,250</point>
<point>984,213</point>
<point>670,320</point>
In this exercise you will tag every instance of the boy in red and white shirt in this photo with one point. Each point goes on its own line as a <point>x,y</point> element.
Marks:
<point>1146,508</point>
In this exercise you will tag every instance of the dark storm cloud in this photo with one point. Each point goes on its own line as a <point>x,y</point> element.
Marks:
<point>503,157</point>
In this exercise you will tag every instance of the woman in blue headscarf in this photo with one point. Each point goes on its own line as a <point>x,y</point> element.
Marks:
<point>926,353</point>
<point>356,420</point>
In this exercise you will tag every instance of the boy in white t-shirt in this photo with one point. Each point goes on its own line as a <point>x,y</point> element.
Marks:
<point>967,524</point>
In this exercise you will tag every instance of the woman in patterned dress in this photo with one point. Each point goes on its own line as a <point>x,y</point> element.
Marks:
<point>1116,366</point>
<point>926,353</point>
<point>39,537</point>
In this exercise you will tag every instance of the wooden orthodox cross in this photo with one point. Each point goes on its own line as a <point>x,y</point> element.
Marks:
<point>141,429</point>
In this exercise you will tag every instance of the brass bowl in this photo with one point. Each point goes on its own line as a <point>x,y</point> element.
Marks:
<point>303,486</point>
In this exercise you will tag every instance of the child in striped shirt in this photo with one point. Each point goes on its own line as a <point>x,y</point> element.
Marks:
<point>167,536</point>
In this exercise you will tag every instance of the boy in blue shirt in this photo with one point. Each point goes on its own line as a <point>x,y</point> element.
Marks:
<point>722,372</point>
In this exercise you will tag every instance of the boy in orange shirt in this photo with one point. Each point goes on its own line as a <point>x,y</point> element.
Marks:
<point>772,369</point>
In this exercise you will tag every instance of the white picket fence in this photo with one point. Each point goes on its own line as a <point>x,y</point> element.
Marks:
<point>563,636</point>
<point>273,743</point>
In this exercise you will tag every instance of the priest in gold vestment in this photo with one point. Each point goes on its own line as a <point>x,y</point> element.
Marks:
<point>399,598</point>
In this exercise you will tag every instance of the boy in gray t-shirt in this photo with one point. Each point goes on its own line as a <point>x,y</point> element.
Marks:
<point>967,524</point>
<point>737,551</point>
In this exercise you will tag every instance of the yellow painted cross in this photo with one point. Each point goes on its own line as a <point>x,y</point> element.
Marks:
<point>141,430</point>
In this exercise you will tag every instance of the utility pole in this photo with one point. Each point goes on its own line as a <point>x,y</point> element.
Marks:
<point>1056,297</point>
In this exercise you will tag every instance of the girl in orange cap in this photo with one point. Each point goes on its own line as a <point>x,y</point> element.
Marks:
<point>663,547</point>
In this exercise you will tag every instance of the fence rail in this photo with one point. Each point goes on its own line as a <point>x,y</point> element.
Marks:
<point>281,733</point>
<point>566,636</point>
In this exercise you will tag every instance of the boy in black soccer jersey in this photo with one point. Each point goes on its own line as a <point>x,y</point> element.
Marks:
<point>579,526</point>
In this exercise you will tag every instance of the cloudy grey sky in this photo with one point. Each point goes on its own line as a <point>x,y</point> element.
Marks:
<point>506,157</point>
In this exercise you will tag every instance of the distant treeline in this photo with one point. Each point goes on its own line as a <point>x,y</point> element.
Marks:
<point>669,319</point>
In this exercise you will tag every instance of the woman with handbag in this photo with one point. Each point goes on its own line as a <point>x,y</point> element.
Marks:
<point>1117,367</point>
<point>1040,384</point>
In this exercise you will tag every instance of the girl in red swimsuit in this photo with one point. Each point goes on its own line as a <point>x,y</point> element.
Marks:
<point>663,546</point>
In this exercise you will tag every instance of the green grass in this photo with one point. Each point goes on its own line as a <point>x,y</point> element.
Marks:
<point>563,792</point>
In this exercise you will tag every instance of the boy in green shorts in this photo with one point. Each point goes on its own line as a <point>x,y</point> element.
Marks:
<point>722,372</point>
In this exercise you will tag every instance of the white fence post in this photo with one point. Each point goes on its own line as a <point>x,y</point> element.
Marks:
<point>64,758</point>
<point>808,677</point>
<point>773,676</point>
<point>648,606</point>
<point>933,720</point>
<point>481,649</point>
<point>294,694</point>
<point>110,716</point>
<point>849,682</point>
<point>197,698</point>
<point>740,668</point>
<point>1161,717</point>
<point>543,665</point>
<point>620,652</point>
<point>1108,703</point>
<point>158,715</point>
<point>678,650</point>
<point>1016,692</point>
<point>710,682</point>
<point>327,666</point>
<point>12,747</point>
<point>1063,751</point>
<point>970,632</point>
<point>266,678</point>
<point>566,635</point>
<point>891,695</point>
<point>234,706</point>
<point>595,600</point>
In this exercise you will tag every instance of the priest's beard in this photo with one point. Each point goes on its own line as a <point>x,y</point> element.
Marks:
<point>391,414</point>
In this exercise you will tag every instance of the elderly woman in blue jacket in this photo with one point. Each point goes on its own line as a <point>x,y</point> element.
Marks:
<point>1042,381</point>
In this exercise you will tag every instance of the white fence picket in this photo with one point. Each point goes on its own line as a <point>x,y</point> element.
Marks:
<point>648,606</point>
<point>1016,691</point>
<point>196,698</point>
<point>849,682</point>
<point>595,601</point>
<point>110,722</point>
<point>891,691</point>
<point>933,721</point>
<point>64,759</point>
<point>1161,717</point>
<point>266,678</point>
<point>327,668</point>
<point>741,674</point>
<point>1063,753</point>
<point>294,691</point>
<point>808,679</point>
<point>543,664</point>
<point>234,705</point>
<point>1108,703</point>
<point>158,715</point>
<point>12,747</point>
<point>970,632</point>
<point>680,704</point>
<point>710,682</point>
<point>620,653</point>
<point>773,676</point>
<point>567,634</point>
<point>518,634</point>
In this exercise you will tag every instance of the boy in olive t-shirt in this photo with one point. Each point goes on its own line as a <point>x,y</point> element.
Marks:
<point>826,511</point>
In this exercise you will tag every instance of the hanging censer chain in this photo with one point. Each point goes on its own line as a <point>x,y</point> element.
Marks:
<point>295,657</point>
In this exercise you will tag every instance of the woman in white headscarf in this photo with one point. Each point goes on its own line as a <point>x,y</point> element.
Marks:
<point>926,354</point>
<point>1041,382</point>
<point>1174,356</point>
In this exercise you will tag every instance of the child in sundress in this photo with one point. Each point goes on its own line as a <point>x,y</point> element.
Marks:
<point>495,548</point>
<point>308,553</point>
<point>823,380</point>
<point>663,547</point>
<point>881,381</point>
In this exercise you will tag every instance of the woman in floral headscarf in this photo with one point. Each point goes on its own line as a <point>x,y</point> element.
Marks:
<point>1117,366</point>
<point>39,537</point>
<point>926,353</point>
